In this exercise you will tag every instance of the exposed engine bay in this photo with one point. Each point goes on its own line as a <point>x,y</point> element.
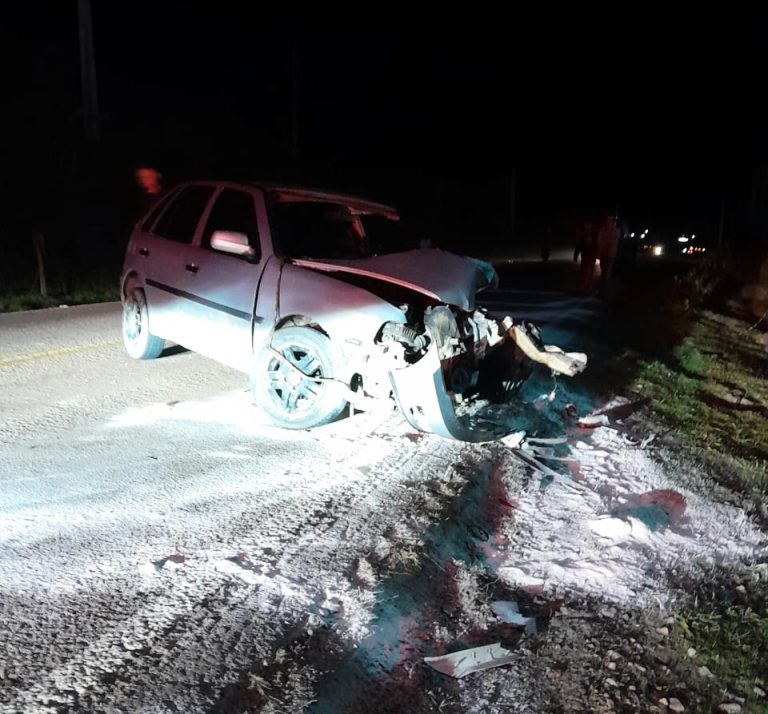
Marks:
<point>477,355</point>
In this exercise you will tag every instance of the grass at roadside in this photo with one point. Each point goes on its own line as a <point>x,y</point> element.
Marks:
<point>706,375</point>
<point>704,371</point>
<point>727,627</point>
<point>711,391</point>
<point>91,292</point>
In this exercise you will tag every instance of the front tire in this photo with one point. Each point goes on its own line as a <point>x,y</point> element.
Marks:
<point>290,400</point>
<point>139,342</point>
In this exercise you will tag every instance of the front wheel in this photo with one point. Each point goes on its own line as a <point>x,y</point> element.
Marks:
<point>288,387</point>
<point>139,342</point>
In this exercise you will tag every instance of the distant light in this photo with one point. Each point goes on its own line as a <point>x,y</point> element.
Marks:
<point>631,235</point>
<point>684,251</point>
<point>693,236</point>
<point>682,239</point>
<point>658,249</point>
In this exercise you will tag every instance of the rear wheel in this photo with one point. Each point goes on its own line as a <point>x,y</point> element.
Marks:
<point>139,342</point>
<point>286,387</point>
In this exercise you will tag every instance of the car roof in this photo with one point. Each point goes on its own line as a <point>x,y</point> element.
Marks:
<point>296,194</point>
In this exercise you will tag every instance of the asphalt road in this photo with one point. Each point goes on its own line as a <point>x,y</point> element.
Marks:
<point>135,498</point>
<point>163,549</point>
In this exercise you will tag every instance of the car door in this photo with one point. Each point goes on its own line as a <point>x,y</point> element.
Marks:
<point>164,258</point>
<point>223,286</point>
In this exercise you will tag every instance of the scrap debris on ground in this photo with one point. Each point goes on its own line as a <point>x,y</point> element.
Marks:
<point>366,567</point>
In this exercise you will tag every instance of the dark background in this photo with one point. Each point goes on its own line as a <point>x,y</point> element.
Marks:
<point>660,117</point>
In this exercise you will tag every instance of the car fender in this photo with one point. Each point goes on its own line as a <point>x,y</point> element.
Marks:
<point>351,316</point>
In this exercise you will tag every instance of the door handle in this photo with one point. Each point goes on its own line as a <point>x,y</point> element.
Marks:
<point>192,267</point>
<point>143,251</point>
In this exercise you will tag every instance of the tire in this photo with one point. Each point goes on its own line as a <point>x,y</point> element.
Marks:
<point>139,342</point>
<point>289,400</point>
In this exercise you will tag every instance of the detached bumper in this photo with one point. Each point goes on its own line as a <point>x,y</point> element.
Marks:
<point>423,399</point>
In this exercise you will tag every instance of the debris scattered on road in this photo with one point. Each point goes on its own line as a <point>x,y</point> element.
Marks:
<point>729,708</point>
<point>570,411</point>
<point>621,409</point>
<point>460,664</point>
<point>508,611</point>
<point>172,562</point>
<point>513,440</point>
<point>568,363</point>
<point>365,573</point>
<point>554,441</point>
<point>592,421</point>
<point>675,705</point>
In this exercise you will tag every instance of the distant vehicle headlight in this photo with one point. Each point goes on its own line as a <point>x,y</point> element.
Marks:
<point>658,250</point>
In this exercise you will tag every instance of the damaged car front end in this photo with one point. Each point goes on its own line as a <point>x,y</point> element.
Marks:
<point>442,351</point>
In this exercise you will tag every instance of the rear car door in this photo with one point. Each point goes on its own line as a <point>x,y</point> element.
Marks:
<point>164,257</point>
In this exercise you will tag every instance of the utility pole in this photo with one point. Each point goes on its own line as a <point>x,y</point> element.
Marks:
<point>295,98</point>
<point>88,73</point>
<point>722,222</point>
<point>512,203</point>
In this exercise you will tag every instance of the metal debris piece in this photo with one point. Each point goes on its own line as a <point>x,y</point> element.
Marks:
<point>460,664</point>
<point>593,420</point>
<point>513,440</point>
<point>508,611</point>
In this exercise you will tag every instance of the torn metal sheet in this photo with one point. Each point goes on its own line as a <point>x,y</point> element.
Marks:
<point>460,664</point>
<point>553,441</point>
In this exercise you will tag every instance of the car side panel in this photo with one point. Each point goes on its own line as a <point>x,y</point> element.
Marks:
<point>348,314</point>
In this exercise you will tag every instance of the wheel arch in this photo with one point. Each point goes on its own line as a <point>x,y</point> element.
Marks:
<point>131,280</point>
<point>301,321</point>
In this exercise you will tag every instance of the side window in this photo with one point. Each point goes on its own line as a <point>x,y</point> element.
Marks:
<point>180,219</point>
<point>149,221</point>
<point>234,211</point>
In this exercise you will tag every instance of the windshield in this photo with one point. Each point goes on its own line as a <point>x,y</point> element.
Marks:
<point>307,229</point>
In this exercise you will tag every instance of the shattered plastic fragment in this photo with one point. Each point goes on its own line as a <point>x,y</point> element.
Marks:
<point>460,664</point>
<point>508,611</point>
<point>593,420</point>
<point>513,440</point>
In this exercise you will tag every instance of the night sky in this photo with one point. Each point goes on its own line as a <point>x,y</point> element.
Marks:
<point>654,114</point>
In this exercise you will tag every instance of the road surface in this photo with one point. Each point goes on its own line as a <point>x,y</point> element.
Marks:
<point>163,549</point>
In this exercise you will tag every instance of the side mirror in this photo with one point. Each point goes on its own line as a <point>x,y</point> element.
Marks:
<point>231,242</point>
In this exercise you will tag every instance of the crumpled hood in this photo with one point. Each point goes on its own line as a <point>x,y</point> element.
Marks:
<point>438,274</point>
